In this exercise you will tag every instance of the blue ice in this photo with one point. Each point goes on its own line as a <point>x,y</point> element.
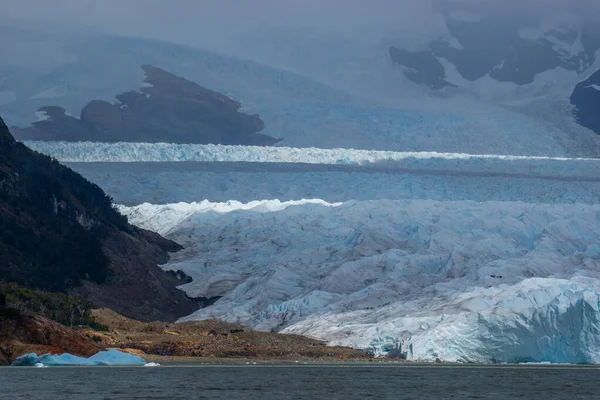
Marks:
<point>108,358</point>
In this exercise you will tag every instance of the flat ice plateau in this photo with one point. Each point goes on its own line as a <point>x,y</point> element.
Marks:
<point>163,183</point>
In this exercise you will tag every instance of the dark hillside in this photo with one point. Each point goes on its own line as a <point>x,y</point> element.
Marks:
<point>168,109</point>
<point>59,232</point>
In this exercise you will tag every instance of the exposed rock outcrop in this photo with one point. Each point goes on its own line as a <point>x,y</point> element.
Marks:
<point>167,109</point>
<point>422,67</point>
<point>22,333</point>
<point>507,47</point>
<point>59,232</point>
<point>586,99</point>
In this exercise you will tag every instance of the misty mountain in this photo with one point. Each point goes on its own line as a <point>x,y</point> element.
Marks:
<point>511,49</point>
<point>167,108</point>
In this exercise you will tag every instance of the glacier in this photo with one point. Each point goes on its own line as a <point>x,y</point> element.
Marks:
<point>541,166</point>
<point>461,226</point>
<point>461,281</point>
<point>134,183</point>
<point>452,256</point>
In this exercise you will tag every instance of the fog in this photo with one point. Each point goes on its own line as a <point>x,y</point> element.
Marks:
<point>213,22</point>
<point>316,38</point>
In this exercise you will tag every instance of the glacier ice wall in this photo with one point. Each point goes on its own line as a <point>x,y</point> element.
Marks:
<point>459,281</point>
<point>540,166</point>
<point>537,320</point>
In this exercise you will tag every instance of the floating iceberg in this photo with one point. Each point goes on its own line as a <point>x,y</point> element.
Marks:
<point>111,357</point>
<point>152,364</point>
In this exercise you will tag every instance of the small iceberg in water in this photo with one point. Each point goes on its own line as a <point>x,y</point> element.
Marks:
<point>110,357</point>
<point>152,364</point>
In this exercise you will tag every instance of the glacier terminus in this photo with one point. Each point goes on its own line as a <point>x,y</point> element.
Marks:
<point>461,258</point>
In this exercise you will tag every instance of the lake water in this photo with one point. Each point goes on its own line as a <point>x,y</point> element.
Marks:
<point>301,382</point>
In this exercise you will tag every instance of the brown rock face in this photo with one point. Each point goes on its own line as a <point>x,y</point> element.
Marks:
<point>59,232</point>
<point>21,334</point>
<point>137,287</point>
<point>168,109</point>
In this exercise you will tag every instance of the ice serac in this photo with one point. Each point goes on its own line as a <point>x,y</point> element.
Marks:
<point>459,281</point>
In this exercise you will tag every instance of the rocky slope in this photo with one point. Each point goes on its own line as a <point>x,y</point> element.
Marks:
<point>586,99</point>
<point>22,333</point>
<point>167,108</point>
<point>59,232</point>
<point>496,44</point>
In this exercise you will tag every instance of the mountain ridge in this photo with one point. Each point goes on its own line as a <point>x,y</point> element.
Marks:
<point>61,233</point>
<point>167,108</point>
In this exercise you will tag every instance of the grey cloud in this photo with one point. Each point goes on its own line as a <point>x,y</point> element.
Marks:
<point>203,21</point>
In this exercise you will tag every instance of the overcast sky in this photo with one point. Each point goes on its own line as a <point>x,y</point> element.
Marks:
<point>279,33</point>
<point>227,14</point>
<point>184,19</point>
<point>233,26</point>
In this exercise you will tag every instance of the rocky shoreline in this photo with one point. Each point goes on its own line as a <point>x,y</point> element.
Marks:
<point>210,341</point>
<point>201,342</point>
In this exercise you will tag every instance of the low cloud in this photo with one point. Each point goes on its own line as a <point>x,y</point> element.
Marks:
<point>198,22</point>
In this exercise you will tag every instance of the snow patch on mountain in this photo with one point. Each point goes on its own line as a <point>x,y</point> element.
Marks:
<point>42,116</point>
<point>597,87</point>
<point>537,320</point>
